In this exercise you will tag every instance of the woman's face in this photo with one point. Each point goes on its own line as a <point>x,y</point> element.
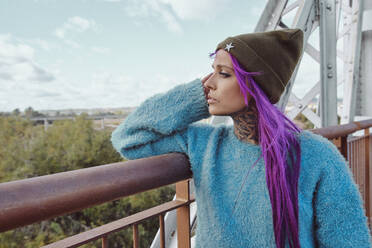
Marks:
<point>223,87</point>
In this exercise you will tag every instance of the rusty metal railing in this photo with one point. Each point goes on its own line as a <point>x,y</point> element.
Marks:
<point>358,156</point>
<point>32,200</point>
<point>357,151</point>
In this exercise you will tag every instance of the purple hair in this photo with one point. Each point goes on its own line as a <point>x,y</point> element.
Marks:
<point>282,155</point>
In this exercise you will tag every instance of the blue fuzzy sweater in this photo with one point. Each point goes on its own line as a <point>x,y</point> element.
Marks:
<point>331,213</point>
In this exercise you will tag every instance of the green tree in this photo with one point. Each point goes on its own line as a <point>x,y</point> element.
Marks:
<point>27,151</point>
<point>306,123</point>
<point>16,112</point>
<point>31,113</point>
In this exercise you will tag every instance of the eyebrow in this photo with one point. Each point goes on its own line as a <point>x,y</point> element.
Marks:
<point>219,65</point>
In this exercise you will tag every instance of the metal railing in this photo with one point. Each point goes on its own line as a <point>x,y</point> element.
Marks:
<point>32,200</point>
<point>357,151</point>
<point>35,199</point>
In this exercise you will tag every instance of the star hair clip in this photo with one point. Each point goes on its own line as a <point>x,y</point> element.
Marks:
<point>229,46</point>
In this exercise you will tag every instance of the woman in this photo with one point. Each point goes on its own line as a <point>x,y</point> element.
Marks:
<point>261,182</point>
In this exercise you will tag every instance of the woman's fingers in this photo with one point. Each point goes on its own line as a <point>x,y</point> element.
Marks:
<point>206,90</point>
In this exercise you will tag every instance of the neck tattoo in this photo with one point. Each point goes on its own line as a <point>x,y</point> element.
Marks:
<point>246,124</point>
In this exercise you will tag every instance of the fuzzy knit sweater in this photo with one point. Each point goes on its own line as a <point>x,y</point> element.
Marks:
<point>331,213</point>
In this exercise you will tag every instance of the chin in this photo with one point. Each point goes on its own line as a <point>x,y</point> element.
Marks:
<point>218,114</point>
<point>215,112</point>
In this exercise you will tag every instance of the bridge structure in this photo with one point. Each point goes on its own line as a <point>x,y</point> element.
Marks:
<point>47,121</point>
<point>338,37</point>
<point>338,41</point>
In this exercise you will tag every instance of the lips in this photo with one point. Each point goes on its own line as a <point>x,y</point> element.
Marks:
<point>211,99</point>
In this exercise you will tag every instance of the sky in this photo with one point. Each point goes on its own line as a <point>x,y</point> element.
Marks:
<point>61,54</point>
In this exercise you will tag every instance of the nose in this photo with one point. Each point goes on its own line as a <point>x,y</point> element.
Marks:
<point>210,83</point>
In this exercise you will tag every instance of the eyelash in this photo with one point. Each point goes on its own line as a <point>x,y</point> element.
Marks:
<point>225,75</point>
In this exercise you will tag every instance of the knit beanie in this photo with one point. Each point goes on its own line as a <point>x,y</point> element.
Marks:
<point>274,53</point>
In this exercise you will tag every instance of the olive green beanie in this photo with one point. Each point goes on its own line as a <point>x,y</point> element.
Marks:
<point>274,53</point>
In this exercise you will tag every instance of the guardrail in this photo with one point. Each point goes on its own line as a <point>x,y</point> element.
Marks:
<point>357,151</point>
<point>35,199</point>
<point>32,200</point>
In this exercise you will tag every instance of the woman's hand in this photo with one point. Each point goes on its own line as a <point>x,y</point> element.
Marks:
<point>206,90</point>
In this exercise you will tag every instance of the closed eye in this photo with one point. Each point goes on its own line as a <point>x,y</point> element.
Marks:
<point>225,75</point>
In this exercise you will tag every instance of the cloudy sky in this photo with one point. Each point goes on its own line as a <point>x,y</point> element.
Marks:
<point>58,54</point>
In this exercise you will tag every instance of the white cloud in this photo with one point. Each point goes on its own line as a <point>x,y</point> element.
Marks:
<point>171,21</point>
<point>74,24</point>
<point>43,44</point>
<point>170,12</point>
<point>17,63</point>
<point>80,24</point>
<point>102,50</point>
<point>60,33</point>
<point>106,89</point>
<point>21,95</point>
<point>46,93</point>
<point>153,9</point>
<point>196,10</point>
<point>71,43</point>
<point>10,51</point>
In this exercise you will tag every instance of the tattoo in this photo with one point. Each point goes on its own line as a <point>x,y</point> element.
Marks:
<point>246,124</point>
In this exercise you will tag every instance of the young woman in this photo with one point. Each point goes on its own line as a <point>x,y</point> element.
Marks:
<point>261,182</point>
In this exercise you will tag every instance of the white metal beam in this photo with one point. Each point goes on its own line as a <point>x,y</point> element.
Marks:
<point>352,41</point>
<point>328,67</point>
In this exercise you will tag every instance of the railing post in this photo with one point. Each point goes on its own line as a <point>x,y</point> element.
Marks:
<point>162,233</point>
<point>105,242</point>
<point>343,148</point>
<point>135,236</point>
<point>367,174</point>
<point>183,215</point>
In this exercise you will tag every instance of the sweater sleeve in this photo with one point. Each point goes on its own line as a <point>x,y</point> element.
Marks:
<point>159,125</point>
<point>340,219</point>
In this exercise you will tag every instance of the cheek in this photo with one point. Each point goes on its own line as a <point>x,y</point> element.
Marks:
<point>237,101</point>
<point>233,94</point>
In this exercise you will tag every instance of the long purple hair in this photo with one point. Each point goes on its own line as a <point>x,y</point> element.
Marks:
<point>282,155</point>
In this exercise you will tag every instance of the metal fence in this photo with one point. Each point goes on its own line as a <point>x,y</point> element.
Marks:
<point>32,200</point>
<point>358,154</point>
